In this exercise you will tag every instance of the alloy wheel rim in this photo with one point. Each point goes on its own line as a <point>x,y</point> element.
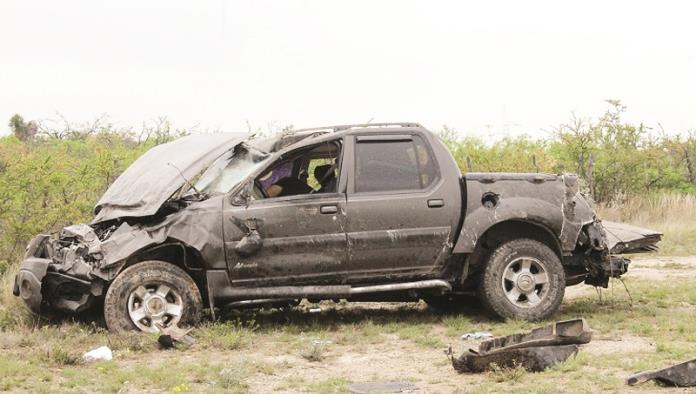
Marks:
<point>525,282</point>
<point>153,305</point>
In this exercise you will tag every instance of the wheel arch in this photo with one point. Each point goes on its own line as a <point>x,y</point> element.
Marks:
<point>481,220</point>
<point>508,230</point>
<point>175,252</point>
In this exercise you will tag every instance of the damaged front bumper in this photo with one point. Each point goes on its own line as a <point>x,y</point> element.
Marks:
<point>59,274</point>
<point>31,274</point>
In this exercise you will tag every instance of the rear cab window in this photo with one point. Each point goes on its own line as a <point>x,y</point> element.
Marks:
<point>393,163</point>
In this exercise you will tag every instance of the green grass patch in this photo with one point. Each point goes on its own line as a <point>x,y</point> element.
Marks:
<point>420,334</point>
<point>229,335</point>
<point>234,355</point>
<point>329,386</point>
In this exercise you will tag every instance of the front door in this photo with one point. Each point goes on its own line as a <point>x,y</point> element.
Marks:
<point>300,219</point>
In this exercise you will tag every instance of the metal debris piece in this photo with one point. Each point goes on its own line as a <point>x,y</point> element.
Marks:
<point>170,336</point>
<point>534,351</point>
<point>382,387</point>
<point>624,238</point>
<point>477,335</point>
<point>568,332</point>
<point>533,359</point>
<point>680,375</point>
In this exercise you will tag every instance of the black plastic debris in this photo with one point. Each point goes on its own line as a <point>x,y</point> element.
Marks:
<point>680,375</point>
<point>534,351</point>
<point>173,335</point>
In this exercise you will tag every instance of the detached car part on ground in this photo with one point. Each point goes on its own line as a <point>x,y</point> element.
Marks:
<point>533,351</point>
<point>360,212</point>
<point>680,375</point>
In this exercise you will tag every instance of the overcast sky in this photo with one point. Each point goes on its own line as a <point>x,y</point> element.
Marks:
<point>481,67</point>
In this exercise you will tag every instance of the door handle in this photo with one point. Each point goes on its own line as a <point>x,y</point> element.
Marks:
<point>328,209</point>
<point>436,203</point>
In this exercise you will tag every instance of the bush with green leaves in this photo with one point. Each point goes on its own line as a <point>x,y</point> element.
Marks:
<point>613,157</point>
<point>52,176</point>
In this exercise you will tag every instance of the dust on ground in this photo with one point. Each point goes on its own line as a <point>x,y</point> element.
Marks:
<point>399,359</point>
<point>662,268</point>
<point>276,364</point>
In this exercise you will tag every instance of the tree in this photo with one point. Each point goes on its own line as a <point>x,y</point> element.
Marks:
<point>24,131</point>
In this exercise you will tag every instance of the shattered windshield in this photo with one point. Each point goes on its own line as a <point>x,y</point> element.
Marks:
<point>230,169</point>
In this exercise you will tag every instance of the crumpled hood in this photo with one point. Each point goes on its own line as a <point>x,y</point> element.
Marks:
<point>154,177</point>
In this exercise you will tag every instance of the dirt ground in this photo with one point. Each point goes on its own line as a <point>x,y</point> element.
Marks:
<point>305,350</point>
<point>397,358</point>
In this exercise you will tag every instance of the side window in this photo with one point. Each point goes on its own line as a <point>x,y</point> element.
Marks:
<point>390,165</point>
<point>318,172</point>
<point>310,170</point>
<point>427,168</point>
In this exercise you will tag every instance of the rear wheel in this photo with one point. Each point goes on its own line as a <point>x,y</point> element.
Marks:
<point>149,295</point>
<point>523,279</point>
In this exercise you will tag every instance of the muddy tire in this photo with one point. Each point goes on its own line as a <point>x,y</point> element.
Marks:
<point>152,293</point>
<point>523,279</point>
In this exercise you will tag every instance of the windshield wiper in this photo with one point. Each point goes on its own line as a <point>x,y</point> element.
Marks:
<point>198,192</point>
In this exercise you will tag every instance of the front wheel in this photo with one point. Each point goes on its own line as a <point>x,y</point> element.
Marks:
<point>149,295</point>
<point>523,279</point>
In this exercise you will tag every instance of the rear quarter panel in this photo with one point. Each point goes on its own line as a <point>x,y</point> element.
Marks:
<point>550,201</point>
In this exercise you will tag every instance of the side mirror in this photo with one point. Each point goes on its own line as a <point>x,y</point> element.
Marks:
<point>238,200</point>
<point>241,198</point>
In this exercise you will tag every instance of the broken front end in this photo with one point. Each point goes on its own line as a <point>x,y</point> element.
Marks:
<point>63,273</point>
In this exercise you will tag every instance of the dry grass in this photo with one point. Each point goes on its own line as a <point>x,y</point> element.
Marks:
<point>12,312</point>
<point>674,214</point>
<point>264,352</point>
<point>314,352</point>
<point>655,331</point>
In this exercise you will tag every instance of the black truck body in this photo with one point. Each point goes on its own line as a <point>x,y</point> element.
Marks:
<point>358,212</point>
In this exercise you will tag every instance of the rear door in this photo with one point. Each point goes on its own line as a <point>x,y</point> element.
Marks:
<point>399,214</point>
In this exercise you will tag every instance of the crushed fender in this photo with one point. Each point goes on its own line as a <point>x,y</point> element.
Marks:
<point>680,375</point>
<point>535,350</point>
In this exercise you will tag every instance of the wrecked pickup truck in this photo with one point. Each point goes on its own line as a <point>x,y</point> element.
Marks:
<point>361,212</point>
